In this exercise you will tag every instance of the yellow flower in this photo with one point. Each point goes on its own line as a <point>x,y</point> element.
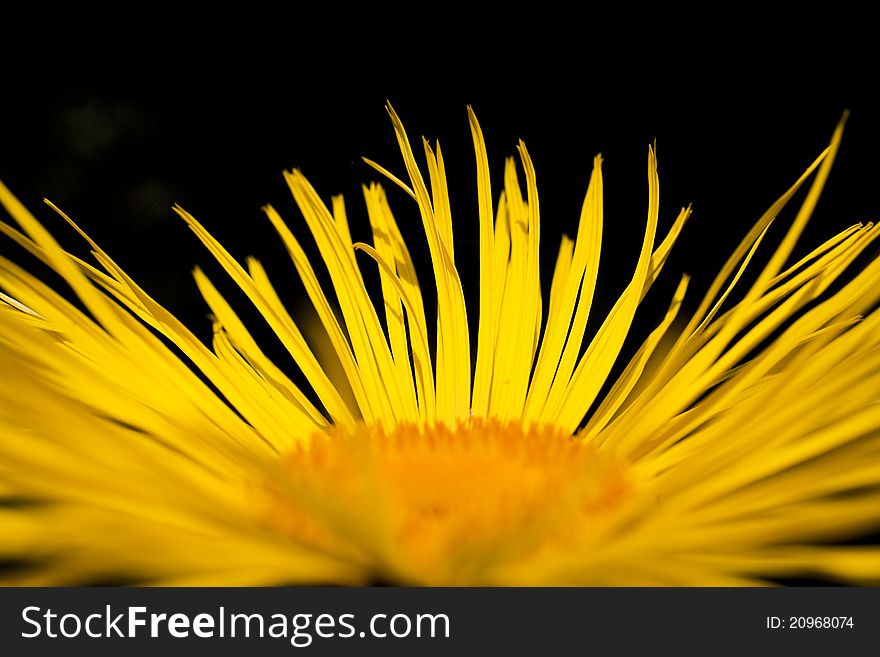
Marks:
<point>740,446</point>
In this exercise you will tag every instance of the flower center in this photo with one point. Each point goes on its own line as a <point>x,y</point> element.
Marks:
<point>446,505</point>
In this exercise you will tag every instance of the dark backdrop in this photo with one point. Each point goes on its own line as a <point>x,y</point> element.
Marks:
<point>115,151</point>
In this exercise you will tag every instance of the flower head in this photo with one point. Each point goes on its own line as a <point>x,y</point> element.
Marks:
<point>739,446</point>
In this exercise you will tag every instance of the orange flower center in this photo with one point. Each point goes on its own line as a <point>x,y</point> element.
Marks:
<point>444,505</point>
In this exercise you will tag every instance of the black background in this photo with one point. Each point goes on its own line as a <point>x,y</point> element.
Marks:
<point>115,141</point>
